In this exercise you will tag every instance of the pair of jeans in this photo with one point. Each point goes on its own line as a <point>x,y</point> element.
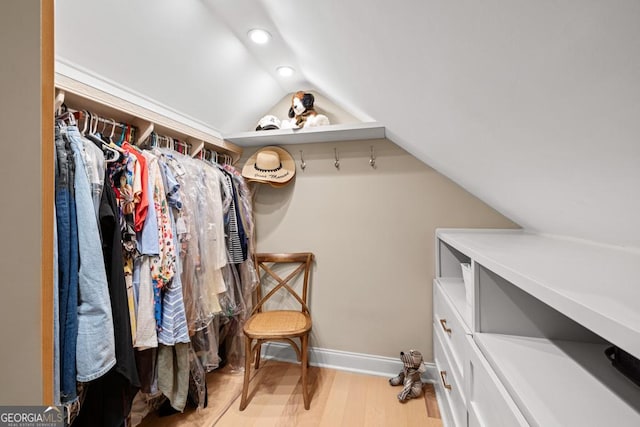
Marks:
<point>95,351</point>
<point>68,265</point>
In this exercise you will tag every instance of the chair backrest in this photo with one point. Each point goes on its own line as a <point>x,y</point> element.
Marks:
<point>267,262</point>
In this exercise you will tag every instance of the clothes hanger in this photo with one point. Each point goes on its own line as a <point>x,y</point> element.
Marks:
<point>110,146</point>
<point>93,124</point>
<point>115,155</point>
<point>84,115</point>
<point>104,124</point>
<point>122,135</point>
<point>113,129</point>
<point>107,147</point>
<point>66,117</point>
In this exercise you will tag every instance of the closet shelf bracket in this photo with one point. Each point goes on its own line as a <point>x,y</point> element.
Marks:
<point>59,100</point>
<point>196,145</point>
<point>144,127</point>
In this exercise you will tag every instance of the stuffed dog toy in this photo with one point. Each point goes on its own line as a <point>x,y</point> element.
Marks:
<point>302,112</point>
<point>410,376</point>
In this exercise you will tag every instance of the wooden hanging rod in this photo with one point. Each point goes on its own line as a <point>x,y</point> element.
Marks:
<point>80,96</point>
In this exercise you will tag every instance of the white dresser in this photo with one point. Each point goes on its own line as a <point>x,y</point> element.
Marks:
<point>529,349</point>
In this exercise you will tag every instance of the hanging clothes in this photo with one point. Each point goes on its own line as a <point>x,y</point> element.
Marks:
<point>68,265</point>
<point>95,351</point>
<point>153,259</point>
<point>213,250</point>
<point>235,244</point>
<point>117,173</point>
<point>112,253</point>
<point>94,162</point>
<point>108,400</point>
<point>141,199</point>
<point>174,320</point>
<point>197,304</point>
<point>173,335</point>
<point>163,265</point>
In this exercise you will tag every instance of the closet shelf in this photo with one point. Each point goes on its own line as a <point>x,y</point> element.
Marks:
<point>595,285</point>
<point>457,294</point>
<point>80,96</point>
<point>343,132</point>
<point>553,389</point>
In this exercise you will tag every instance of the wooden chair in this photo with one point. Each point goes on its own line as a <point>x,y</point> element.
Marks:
<point>267,324</point>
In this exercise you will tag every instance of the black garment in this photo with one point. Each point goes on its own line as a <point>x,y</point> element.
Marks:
<point>146,361</point>
<point>112,252</point>
<point>237,243</point>
<point>108,401</point>
<point>109,398</point>
<point>244,242</point>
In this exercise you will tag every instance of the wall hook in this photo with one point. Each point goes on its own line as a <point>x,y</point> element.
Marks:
<point>337,162</point>
<point>372,159</point>
<point>303,164</point>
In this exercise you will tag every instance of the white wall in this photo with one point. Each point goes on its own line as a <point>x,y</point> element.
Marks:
<point>179,54</point>
<point>532,106</point>
<point>20,216</point>
<point>372,231</point>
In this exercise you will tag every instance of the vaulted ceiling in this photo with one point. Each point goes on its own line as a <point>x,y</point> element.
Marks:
<point>533,106</point>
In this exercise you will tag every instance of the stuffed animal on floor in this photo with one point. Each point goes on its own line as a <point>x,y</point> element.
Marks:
<point>410,376</point>
<point>302,112</point>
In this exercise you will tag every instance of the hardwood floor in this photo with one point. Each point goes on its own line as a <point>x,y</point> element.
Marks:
<point>275,399</point>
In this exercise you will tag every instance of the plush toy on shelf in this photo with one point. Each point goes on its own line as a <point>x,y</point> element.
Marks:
<point>413,367</point>
<point>302,113</point>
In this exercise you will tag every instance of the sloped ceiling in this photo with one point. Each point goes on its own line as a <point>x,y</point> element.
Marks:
<point>534,107</point>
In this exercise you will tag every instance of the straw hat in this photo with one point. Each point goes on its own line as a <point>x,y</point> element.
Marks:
<point>273,165</point>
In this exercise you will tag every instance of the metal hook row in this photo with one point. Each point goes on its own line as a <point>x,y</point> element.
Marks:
<point>336,162</point>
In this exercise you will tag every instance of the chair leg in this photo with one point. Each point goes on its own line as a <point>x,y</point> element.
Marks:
<point>258,350</point>
<point>305,392</point>
<point>247,372</point>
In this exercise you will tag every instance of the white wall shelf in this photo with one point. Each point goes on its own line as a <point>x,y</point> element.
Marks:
<point>329,133</point>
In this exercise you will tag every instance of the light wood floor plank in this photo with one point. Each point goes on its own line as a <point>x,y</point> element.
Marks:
<point>338,398</point>
<point>431,402</point>
<point>224,388</point>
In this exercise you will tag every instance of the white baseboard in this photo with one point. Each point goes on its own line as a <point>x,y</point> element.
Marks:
<point>345,361</point>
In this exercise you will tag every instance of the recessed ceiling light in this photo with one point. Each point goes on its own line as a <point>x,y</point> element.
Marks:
<point>285,71</point>
<point>259,36</point>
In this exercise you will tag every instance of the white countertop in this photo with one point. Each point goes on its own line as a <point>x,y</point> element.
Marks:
<point>597,286</point>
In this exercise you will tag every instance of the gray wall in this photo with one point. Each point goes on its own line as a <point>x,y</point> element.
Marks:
<point>372,231</point>
<point>21,213</point>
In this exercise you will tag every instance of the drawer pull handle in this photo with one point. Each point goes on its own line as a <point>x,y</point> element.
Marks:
<point>443,322</point>
<point>444,382</point>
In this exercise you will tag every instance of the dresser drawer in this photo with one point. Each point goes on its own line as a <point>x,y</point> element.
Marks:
<point>440,341</point>
<point>447,319</point>
<point>449,390</point>
<point>489,403</point>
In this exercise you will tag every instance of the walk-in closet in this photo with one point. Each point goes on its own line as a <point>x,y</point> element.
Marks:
<point>336,213</point>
